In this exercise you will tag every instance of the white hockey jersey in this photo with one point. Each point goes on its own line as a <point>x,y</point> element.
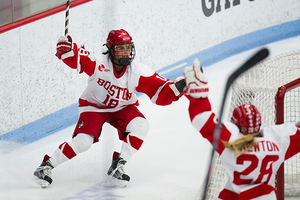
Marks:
<point>250,175</point>
<point>108,91</point>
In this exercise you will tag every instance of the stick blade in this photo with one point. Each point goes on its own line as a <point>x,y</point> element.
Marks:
<point>256,58</point>
<point>253,60</point>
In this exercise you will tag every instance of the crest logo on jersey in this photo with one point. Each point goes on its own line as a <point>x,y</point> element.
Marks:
<point>102,68</point>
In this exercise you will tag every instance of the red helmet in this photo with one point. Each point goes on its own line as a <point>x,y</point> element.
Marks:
<point>247,118</point>
<point>117,37</point>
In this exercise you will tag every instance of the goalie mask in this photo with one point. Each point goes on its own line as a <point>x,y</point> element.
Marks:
<point>116,41</point>
<point>247,118</point>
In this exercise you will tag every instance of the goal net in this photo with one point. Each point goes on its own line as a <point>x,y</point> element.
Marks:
<point>259,86</point>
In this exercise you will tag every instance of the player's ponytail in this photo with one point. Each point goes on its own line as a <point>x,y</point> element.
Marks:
<point>243,144</point>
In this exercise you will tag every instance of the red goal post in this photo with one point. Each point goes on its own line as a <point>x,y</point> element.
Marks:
<point>284,114</point>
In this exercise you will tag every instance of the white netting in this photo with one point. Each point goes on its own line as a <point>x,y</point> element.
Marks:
<point>292,165</point>
<point>259,86</point>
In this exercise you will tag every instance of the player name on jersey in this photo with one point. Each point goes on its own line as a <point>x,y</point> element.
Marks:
<point>264,146</point>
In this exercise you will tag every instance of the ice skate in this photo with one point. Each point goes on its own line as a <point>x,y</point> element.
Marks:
<point>43,174</point>
<point>116,173</point>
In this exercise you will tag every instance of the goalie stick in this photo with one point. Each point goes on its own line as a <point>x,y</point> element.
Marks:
<point>257,57</point>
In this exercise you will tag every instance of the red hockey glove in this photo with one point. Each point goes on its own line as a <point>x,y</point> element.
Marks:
<point>196,80</point>
<point>64,47</point>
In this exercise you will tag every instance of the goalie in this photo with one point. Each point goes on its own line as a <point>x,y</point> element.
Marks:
<point>251,156</point>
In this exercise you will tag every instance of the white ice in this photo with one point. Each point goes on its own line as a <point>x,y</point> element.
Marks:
<point>170,165</point>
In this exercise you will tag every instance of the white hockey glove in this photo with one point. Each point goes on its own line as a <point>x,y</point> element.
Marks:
<point>64,47</point>
<point>196,80</point>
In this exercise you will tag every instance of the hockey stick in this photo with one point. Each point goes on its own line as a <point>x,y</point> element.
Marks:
<point>259,56</point>
<point>67,18</point>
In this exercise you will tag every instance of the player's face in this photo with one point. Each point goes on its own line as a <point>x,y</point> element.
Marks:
<point>122,51</point>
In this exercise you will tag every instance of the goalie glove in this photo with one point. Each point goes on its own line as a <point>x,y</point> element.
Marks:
<point>196,80</point>
<point>64,47</point>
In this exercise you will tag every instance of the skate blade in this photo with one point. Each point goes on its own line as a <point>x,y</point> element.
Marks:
<point>112,182</point>
<point>41,182</point>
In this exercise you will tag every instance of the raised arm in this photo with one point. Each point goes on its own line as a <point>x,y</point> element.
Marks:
<point>74,57</point>
<point>161,90</point>
<point>201,115</point>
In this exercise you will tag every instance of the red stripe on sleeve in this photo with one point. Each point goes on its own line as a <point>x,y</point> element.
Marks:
<point>156,85</point>
<point>198,106</point>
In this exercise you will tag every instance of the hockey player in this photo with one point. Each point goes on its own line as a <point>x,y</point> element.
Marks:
<point>250,156</point>
<point>110,98</point>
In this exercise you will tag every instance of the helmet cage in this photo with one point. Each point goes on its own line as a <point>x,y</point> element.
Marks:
<point>121,61</point>
<point>119,37</point>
